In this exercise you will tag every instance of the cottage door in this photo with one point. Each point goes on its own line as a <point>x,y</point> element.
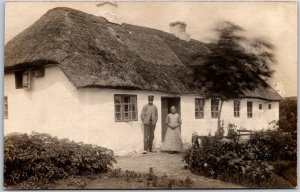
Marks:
<point>166,104</point>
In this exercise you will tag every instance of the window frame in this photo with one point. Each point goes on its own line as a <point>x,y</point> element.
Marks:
<point>236,109</point>
<point>122,105</point>
<point>5,107</point>
<point>199,109</point>
<point>214,113</point>
<point>22,79</point>
<point>270,106</point>
<point>250,109</point>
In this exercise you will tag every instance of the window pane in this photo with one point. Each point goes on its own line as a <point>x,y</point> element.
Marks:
<point>118,99</point>
<point>133,115</point>
<point>133,107</point>
<point>126,99</point>
<point>201,102</point>
<point>126,116</point>
<point>118,117</point>
<point>126,108</point>
<point>133,99</point>
<point>25,80</point>
<point>118,108</point>
<point>249,104</point>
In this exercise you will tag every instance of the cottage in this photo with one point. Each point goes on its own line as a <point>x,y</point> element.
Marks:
<point>79,76</point>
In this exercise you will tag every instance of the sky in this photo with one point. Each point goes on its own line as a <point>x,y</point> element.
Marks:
<point>275,21</point>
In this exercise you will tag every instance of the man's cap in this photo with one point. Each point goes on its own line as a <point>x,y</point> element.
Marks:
<point>151,97</point>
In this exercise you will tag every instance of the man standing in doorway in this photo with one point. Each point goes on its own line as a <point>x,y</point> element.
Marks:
<point>149,117</point>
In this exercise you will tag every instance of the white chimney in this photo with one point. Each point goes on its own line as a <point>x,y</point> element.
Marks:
<point>109,10</point>
<point>178,28</point>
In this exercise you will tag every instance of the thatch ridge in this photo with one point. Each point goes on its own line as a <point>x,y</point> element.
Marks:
<point>93,52</point>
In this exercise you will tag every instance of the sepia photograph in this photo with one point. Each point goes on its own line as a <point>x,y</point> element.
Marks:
<point>150,95</point>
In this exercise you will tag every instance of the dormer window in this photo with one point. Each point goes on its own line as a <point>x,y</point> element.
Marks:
<point>22,79</point>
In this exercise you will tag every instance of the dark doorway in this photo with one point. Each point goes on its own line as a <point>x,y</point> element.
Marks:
<point>166,104</point>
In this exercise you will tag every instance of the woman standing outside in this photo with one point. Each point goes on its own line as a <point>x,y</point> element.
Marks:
<point>173,142</point>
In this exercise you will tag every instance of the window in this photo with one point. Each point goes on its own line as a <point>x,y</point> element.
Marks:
<point>214,108</point>
<point>260,106</point>
<point>125,108</point>
<point>270,106</point>
<point>5,110</point>
<point>249,109</point>
<point>236,108</point>
<point>39,72</point>
<point>22,79</point>
<point>199,108</point>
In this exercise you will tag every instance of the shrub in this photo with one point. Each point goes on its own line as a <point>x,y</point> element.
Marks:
<point>40,158</point>
<point>243,163</point>
<point>274,145</point>
<point>288,115</point>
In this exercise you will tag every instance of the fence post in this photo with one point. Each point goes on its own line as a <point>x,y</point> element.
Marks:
<point>194,144</point>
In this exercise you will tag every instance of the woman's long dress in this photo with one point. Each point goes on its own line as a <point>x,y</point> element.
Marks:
<point>172,140</point>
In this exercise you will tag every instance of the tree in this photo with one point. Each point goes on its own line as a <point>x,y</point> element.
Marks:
<point>234,64</point>
<point>288,115</point>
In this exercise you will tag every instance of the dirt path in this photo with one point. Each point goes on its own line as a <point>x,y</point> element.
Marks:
<point>171,164</point>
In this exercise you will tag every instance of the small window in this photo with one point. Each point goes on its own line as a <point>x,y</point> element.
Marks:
<point>236,108</point>
<point>260,106</point>
<point>270,106</point>
<point>249,109</point>
<point>39,72</point>
<point>5,110</point>
<point>199,108</point>
<point>22,79</point>
<point>214,108</point>
<point>125,108</point>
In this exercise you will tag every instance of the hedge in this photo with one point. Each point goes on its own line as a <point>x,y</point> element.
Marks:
<point>40,158</point>
<point>246,163</point>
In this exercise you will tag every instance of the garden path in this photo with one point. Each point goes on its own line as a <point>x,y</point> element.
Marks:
<point>170,164</point>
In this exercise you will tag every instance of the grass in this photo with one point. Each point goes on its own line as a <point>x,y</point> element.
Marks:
<point>114,179</point>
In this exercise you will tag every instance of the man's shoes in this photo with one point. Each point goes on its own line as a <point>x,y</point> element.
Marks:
<point>145,152</point>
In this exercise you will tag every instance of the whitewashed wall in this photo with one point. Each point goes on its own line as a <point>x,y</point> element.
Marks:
<point>53,105</point>
<point>259,121</point>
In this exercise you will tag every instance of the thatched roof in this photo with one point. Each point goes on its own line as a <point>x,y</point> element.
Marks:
<point>93,52</point>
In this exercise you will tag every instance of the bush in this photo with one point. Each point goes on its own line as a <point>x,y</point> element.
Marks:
<point>243,163</point>
<point>274,145</point>
<point>288,115</point>
<point>40,158</point>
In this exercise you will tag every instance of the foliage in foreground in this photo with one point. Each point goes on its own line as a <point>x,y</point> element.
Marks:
<point>288,115</point>
<point>248,163</point>
<point>152,180</point>
<point>115,179</point>
<point>38,159</point>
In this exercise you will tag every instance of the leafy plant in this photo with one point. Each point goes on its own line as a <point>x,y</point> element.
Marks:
<point>40,158</point>
<point>244,163</point>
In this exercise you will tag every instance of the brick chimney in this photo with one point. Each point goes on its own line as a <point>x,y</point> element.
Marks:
<point>109,10</point>
<point>178,28</point>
